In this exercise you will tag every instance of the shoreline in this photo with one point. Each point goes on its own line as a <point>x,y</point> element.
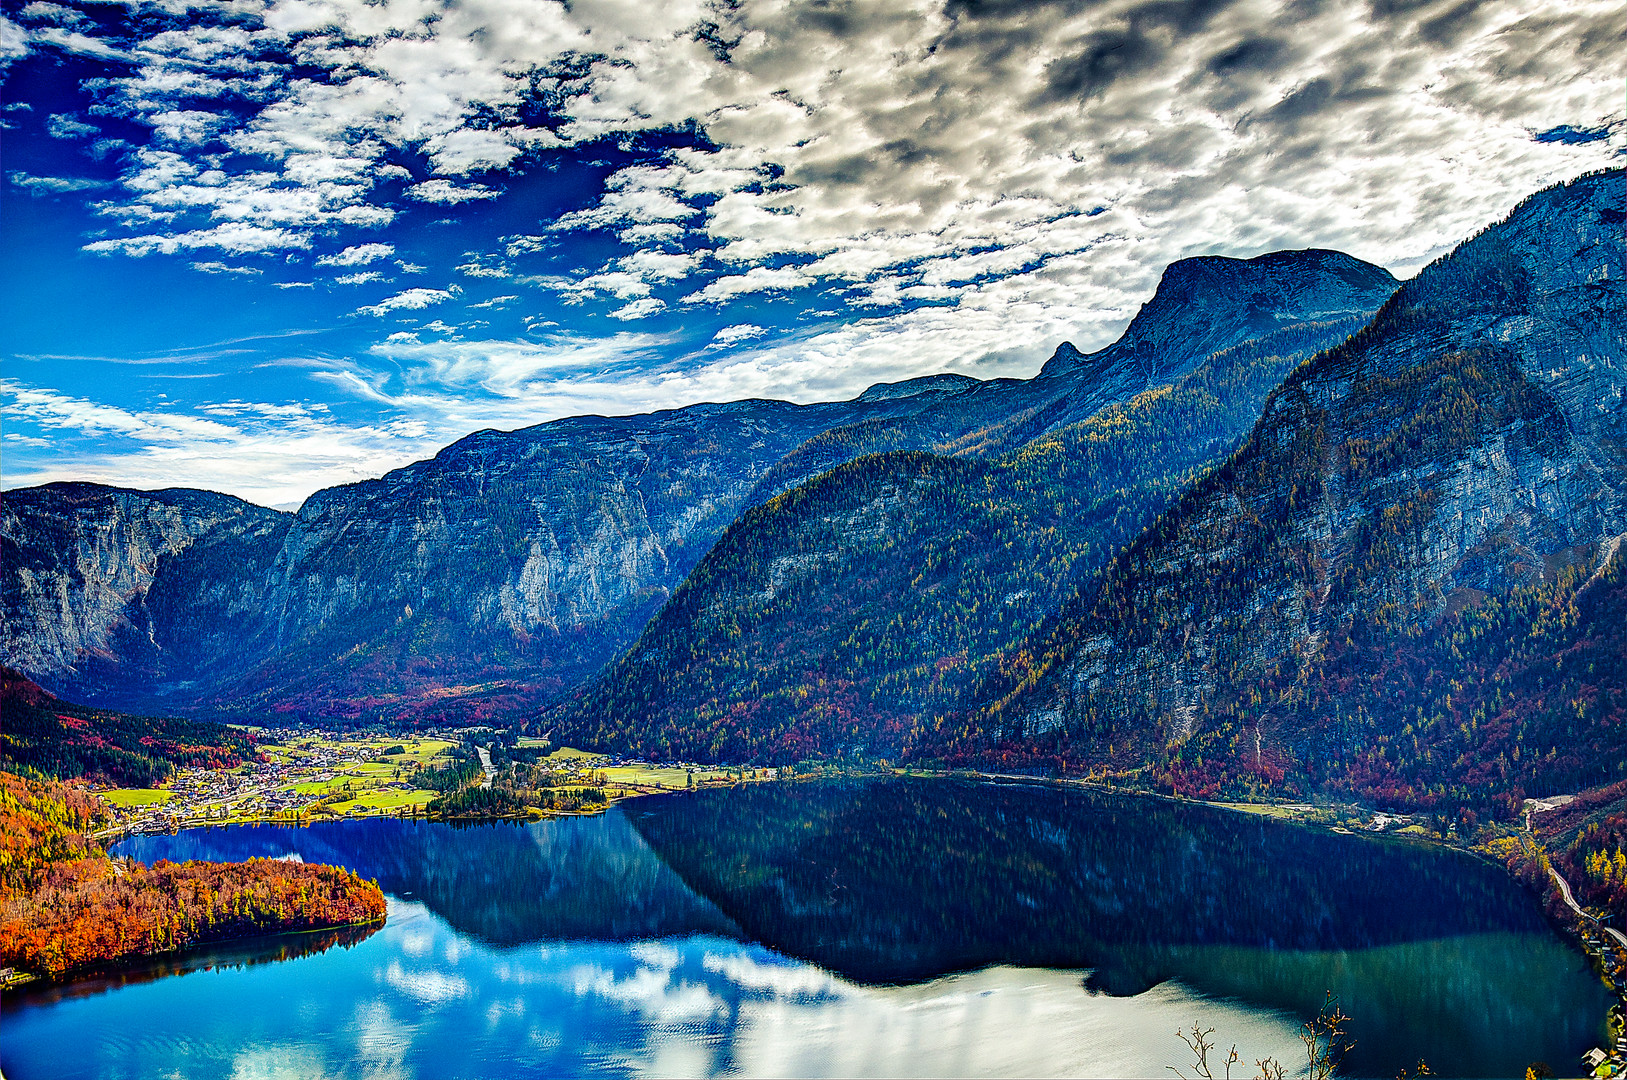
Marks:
<point>1337,817</point>
<point>13,981</point>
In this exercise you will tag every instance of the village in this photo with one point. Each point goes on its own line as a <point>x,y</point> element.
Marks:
<point>309,775</point>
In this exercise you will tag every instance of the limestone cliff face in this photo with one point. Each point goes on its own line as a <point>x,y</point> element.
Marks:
<point>1472,438</point>
<point>527,554</point>
<point>102,583</point>
<point>521,558</point>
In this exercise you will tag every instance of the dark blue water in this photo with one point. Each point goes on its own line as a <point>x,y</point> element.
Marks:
<point>882,928</point>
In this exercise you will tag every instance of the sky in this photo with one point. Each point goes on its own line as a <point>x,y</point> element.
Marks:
<point>268,246</point>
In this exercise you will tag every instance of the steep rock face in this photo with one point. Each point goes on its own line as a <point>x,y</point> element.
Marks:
<point>528,555</point>
<point>945,385</point>
<point>1472,440</point>
<point>1212,302</point>
<point>100,581</point>
<point>503,569</point>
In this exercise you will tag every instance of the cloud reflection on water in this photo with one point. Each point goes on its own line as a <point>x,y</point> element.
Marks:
<point>707,1006</point>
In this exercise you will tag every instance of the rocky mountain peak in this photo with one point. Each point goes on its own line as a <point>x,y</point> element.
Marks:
<point>1211,302</point>
<point>942,385</point>
<point>1468,443</point>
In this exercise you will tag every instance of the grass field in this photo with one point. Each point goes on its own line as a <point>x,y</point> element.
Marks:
<point>315,788</point>
<point>649,774</point>
<point>422,751</point>
<point>1268,809</point>
<point>137,796</point>
<point>375,801</point>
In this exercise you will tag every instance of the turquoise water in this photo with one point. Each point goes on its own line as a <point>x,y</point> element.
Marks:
<point>883,928</point>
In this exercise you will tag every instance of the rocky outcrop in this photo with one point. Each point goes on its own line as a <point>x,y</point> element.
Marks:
<point>1238,299</point>
<point>945,385</point>
<point>105,584</point>
<point>1287,302</point>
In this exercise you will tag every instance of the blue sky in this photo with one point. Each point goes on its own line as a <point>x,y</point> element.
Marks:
<point>265,246</point>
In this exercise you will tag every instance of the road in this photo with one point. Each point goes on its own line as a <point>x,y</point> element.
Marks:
<point>1565,891</point>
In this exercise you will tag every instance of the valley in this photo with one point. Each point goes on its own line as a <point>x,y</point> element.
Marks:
<point>308,775</point>
<point>1331,555</point>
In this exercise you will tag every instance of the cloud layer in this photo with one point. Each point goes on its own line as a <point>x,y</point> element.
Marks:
<point>912,186</point>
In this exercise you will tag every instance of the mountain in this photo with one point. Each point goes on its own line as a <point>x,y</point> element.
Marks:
<point>856,611</point>
<point>500,574</point>
<point>1409,582</point>
<point>47,736</point>
<point>1202,306</point>
<point>108,587</point>
<point>512,563</point>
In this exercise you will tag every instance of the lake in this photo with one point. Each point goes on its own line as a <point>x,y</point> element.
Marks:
<point>886,927</point>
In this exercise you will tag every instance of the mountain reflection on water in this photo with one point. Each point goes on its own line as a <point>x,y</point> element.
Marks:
<point>588,878</point>
<point>898,880</point>
<point>891,883</point>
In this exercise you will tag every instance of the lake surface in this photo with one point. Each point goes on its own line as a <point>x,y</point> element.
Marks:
<point>897,927</point>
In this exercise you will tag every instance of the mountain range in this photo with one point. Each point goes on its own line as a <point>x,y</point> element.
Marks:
<point>508,568</point>
<point>1301,523</point>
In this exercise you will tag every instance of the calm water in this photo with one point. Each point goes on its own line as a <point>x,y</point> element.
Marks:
<point>882,928</point>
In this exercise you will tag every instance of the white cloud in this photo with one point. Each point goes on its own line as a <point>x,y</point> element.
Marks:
<point>236,238</point>
<point>222,268</point>
<point>484,266</point>
<point>53,185</point>
<point>62,126</point>
<point>70,41</point>
<point>359,255</point>
<point>408,300</point>
<point>639,309</point>
<point>515,246</point>
<point>360,278</point>
<point>898,132</point>
<point>446,193</point>
<point>186,127</point>
<point>435,374</point>
<point>269,453</point>
<point>13,43</point>
<point>53,14</point>
<point>757,279</point>
<point>638,197</point>
<point>734,335</point>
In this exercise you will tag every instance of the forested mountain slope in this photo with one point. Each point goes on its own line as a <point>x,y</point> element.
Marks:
<point>1409,581</point>
<point>856,611</point>
<point>43,735</point>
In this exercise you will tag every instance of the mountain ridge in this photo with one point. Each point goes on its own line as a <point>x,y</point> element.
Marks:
<point>486,579</point>
<point>1463,446</point>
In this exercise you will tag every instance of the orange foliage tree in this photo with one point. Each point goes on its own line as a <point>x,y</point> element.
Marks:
<point>66,905</point>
